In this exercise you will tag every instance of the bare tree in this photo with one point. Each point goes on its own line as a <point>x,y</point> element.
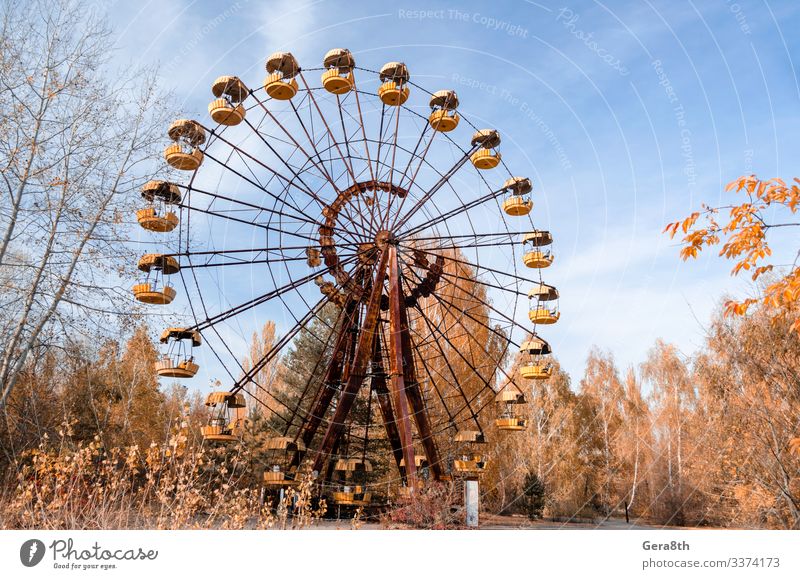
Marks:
<point>76,139</point>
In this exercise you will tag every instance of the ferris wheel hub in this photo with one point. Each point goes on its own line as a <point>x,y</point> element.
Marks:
<point>383,238</point>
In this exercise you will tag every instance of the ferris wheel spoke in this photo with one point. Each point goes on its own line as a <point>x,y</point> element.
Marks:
<point>246,222</point>
<point>323,172</point>
<point>242,154</point>
<point>450,306</point>
<point>300,214</point>
<point>216,354</point>
<point>484,283</point>
<point>414,156</point>
<point>342,355</point>
<point>331,381</point>
<point>380,139</point>
<point>341,319</point>
<point>260,208</point>
<point>477,240</point>
<point>240,261</point>
<point>317,154</point>
<point>402,220</point>
<point>328,129</point>
<point>278,346</point>
<point>264,298</point>
<point>382,130</point>
<point>476,280</point>
<point>463,208</point>
<point>475,265</point>
<point>373,171</point>
<point>258,386</point>
<point>408,166</point>
<point>489,400</point>
<point>363,128</point>
<point>503,317</point>
<point>474,245</point>
<point>509,234</point>
<point>306,188</point>
<point>435,386</point>
<point>390,178</point>
<point>505,339</point>
<point>262,402</point>
<point>214,252</point>
<point>433,342</point>
<point>372,223</point>
<point>438,345</point>
<point>324,394</point>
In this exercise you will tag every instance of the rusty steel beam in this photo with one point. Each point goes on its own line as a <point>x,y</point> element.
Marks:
<point>396,366</point>
<point>414,396</point>
<point>385,404</point>
<point>332,377</point>
<point>357,372</point>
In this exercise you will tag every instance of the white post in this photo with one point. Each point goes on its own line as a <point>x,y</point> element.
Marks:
<point>471,502</point>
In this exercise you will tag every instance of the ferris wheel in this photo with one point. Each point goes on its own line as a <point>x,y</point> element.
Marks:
<point>358,192</point>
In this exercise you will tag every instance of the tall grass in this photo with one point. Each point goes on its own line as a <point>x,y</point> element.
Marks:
<point>170,486</point>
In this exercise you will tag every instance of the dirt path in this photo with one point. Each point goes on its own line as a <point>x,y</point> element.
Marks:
<point>613,524</point>
<point>500,522</point>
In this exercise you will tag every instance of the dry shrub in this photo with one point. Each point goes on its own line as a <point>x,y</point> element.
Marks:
<point>434,506</point>
<point>86,486</point>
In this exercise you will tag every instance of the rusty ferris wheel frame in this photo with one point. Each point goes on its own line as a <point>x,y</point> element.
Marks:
<point>379,227</point>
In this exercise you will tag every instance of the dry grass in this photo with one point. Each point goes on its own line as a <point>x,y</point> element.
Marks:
<point>86,486</point>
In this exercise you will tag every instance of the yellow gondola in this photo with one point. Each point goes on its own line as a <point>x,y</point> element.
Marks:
<point>420,460</point>
<point>486,157</point>
<point>353,465</point>
<point>178,361</point>
<point>156,266</point>
<point>470,462</point>
<point>227,108</point>
<point>157,216</point>
<point>224,419</point>
<point>352,496</point>
<point>394,90</point>
<point>280,83</point>
<point>338,78</point>
<point>544,311</point>
<point>509,399</point>
<point>443,115</point>
<point>351,490</point>
<point>518,203</point>
<point>279,451</point>
<point>184,153</point>
<point>535,366</point>
<point>539,255</point>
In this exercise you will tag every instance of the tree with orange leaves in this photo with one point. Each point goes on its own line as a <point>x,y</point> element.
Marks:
<point>743,235</point>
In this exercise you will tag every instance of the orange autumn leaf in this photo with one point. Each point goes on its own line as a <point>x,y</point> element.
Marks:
<point>743,232</point>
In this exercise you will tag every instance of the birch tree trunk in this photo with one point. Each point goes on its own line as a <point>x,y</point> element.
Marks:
<point>76,140</point>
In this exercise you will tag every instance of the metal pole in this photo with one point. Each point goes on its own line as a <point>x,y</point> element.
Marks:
<point>397,375</point>
<point>471,502</point>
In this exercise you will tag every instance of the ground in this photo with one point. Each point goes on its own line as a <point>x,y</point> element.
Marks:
<point>501,522</point>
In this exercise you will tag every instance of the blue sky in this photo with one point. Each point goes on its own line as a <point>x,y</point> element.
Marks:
<point>626,115</point>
